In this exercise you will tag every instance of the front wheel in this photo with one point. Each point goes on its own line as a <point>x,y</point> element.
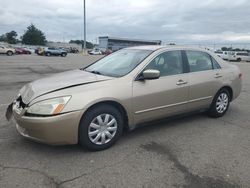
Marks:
<point>100,127</point>
<point>9,53</point>
<point>220,104</point>
<point>48,54</point>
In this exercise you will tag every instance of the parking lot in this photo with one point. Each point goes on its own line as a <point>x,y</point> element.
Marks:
<point>193,151</point>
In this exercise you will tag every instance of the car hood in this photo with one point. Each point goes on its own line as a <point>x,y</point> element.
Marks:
<point>58,82</point>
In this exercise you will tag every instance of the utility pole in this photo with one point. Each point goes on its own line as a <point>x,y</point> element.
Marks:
<point>84,18</point>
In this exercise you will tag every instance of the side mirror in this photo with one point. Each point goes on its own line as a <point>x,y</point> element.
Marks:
<point>150,74</point>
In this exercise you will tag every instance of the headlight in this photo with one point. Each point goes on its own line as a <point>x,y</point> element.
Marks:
<point>49,107</point>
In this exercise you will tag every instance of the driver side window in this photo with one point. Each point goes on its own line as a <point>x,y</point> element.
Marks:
<point>168,63</point>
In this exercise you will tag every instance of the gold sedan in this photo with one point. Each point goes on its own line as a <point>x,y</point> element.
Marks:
<point>92,106</point>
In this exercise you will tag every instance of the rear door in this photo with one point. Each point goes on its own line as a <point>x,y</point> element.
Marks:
<point>205,79</point>
<point>153,99</point>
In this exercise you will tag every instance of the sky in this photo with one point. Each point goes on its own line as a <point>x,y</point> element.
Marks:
<point>179,21</point>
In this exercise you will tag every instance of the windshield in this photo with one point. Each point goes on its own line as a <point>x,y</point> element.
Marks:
<point>119,63</point>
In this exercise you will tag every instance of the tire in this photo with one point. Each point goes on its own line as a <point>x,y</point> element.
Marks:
<point>48,54</point>
<point>239,59</point>
<point>97,141</point>
<point>9,53</point>
<point>220,104</point>
<point>63,54</point>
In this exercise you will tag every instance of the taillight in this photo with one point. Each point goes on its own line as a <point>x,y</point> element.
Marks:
<point>240,76</point>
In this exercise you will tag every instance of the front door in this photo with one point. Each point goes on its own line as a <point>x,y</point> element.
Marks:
<point>2,50</point>
<point>168,95</point>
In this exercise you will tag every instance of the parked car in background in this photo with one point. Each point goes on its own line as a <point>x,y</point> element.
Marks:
<point>39,51</point>
<point>232,56</point>
<point>219,53</point>
<point>55,51</point>
<point>226,55</point>
<point>32,50</point>
<point>222,54</point>
<point>130,87</point>
<point>107,52</point>
<point>22,51</point>
<point>95,52</point>
<point>242,56</point>
<point>7,51</point>
<point>73,50</point>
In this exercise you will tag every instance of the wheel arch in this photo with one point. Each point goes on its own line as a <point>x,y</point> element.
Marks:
<point>229,89</point>
<point>115,104</point>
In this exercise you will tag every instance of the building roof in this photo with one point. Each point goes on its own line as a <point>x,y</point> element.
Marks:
<point>129,39</point>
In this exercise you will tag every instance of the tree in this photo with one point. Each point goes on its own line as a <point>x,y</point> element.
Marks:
<point>11,37</point>
<point>224,49</point>
<point>88,44</point>
<point>33,36</point>
<point>2,38</point>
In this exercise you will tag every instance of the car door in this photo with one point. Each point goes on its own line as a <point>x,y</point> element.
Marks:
<point>205,79</point>
<point>52,51</point>
<point>2,50</point>
<point>153,99</point>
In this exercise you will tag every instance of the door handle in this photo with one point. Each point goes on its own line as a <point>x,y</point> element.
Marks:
<point>181,82</point>
<point>218,75</point>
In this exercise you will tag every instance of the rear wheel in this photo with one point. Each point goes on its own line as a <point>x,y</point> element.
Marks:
<point>220,104</point>
<point>48,54</point>
<point>100,127</point>
<point>9,53</point>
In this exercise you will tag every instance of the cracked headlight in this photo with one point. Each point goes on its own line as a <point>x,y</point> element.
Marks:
<point>49,107</point>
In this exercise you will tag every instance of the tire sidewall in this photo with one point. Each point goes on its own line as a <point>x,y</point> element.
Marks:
<point>213,111</point>
<point>9,53</point>
<point>87,119</point>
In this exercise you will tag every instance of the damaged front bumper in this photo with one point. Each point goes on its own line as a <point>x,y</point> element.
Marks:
<point>60,129</point>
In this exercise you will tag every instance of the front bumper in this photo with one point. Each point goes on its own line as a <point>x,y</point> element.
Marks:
<point>54,130</point>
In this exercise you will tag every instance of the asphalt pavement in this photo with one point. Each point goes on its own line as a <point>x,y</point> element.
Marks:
<point>193,151</point>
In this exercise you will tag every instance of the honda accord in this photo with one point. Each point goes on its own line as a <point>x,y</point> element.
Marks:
<point>93,105</point>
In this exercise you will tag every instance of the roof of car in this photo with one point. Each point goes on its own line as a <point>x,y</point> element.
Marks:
<point>157,47</point>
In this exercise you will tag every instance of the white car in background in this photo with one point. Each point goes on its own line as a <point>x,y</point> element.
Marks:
<point>7,51</point>
<point>30,49</point>
<point>227,55</point>
<point>95,52</point>
<point>242,56</point>
<point>222,54</point>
